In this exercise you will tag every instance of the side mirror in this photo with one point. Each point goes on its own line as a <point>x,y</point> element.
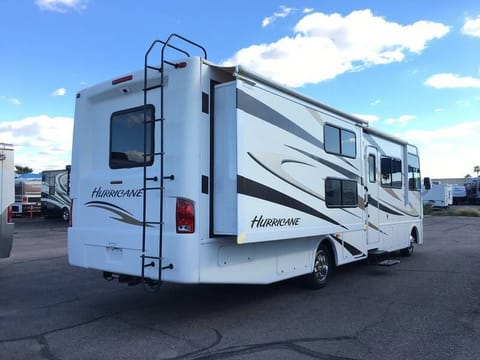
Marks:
<point>427,183</point>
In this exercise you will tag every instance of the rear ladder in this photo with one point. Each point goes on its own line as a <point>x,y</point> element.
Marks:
<point>149,260</point>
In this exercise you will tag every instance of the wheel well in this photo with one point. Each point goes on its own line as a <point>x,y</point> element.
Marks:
<point>414,234</point>
<point>331,248</point>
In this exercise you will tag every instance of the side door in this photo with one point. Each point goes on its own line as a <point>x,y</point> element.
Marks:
<point>372,195</point>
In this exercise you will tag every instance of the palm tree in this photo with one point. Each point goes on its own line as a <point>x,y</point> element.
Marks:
<point>476,169</point>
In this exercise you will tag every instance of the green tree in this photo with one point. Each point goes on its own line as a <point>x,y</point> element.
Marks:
<point>476,169</point>
<point>23,169</point>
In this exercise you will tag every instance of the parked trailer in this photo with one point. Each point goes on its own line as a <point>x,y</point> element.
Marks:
<point>27,195</point>
<point>55,193</point>
<point>439,195</point>
<point>190,172</point>
<point>472,188</point>
<point>7,196</point>
<point>459,194</point>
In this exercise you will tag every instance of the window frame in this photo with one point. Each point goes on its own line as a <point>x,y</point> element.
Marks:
<point>391,183</point>
<point>117,163</point>
<point>339,141</point>
<point>416,180</point>
<point>342,203</point>
<point>372,168</point>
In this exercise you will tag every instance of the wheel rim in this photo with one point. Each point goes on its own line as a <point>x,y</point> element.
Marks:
<point>65,214</point>
<point>321,266</point>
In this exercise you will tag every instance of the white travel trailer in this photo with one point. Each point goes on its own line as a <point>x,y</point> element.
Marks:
<point>440,195</point>
<point>191,172</point>
<point>55,193</point>
<point>7,196</point>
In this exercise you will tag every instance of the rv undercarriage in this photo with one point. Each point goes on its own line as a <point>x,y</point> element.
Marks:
<point>132,280</point>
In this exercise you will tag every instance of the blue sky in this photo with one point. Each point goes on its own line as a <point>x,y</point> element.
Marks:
<point>411,68</point>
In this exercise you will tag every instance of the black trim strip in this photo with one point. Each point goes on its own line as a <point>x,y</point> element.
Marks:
<point>256,108</point>
<point>349,174</point>
<point>282,178</point>
<point>254,189</point>
<point>350,248</point>
<point>381,207</point>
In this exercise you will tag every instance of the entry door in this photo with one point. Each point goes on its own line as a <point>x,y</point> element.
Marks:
<point>372,185</point>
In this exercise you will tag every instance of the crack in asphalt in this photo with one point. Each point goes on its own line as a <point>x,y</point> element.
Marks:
<point>41,339</point>
<point>242,350</point>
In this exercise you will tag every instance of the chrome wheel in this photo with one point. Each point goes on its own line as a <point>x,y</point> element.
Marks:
<point>321,266</point>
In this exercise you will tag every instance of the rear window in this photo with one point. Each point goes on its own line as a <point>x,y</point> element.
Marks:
<point>127,137</point>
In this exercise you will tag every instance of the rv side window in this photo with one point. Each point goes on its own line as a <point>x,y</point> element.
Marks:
<point>127,137</point>
<point>391,172</point>
<point>340,193</point>
<point>372,173</point>
<point>414,180</point>
<point>340,141</point>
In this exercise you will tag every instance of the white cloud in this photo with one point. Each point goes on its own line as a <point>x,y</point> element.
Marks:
<point>13,101</point>
<point>285,11</point>
<point>324,46</point>
<point>448,80</point>
<point>59,92</point>
<point>308,10</point>
<point>367,117</point>
<point>62,6</point>
<point>446,152</point>
<point>402,120</point>
<point>375,102</point>
<point>40,142</point>
<point>472,27</point>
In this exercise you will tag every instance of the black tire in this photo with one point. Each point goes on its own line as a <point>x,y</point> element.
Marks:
<point>408,251</point>
<point>322,268</point>
<point>65,214</point>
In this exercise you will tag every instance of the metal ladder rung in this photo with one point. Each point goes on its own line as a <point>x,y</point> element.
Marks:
<point>153,154</point>
<point>154,188</point>
<point>154,68</point>
<point>153,87</point>
<point>153,121</point>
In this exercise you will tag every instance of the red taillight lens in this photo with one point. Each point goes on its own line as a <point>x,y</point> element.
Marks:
<point>185,216</point>
<point>9,214</point>
<point>24,199</point>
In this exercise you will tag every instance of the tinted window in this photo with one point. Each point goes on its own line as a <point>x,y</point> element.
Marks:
<point>391,170</point>
<point>332,139</point>
<point>341,193</point>
<point>372,174</point>
<point>414,179</point>
<point>127,137</point>
<point>339,141</point>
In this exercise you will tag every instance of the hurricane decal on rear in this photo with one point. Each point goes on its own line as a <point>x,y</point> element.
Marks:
<point>122,215</point>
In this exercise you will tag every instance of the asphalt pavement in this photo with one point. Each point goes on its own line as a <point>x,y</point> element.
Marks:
<point>426,307</point>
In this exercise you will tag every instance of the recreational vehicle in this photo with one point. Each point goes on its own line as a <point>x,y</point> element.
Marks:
<point>27,195</point>
<point>440,195</point>
<point>191,172</point>
<point>459,194</point>
<point>55,193</point>
<point>472,188</point>
<point>6,199</point>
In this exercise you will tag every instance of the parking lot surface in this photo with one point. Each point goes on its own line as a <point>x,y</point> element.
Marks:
<point>426,307</point>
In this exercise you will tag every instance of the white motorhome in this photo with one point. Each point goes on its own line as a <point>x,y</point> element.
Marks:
<point>439,195</point>
<point>190,172</point>
<point>55,193</point>
<point>7,196</point>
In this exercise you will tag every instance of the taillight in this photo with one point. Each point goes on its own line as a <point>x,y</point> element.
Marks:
<point>71,213</point>
<point>24,199</point>
<point>185,216</point>
<point>9,214</point>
